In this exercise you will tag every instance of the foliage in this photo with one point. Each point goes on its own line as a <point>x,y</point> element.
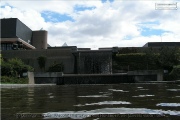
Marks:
<point>1,59</point>
<point>149,60</point>
<point>134,61</point>
<point>175,73</point>
<point>14,67</point>
<point>56,67</point>
<point>42,62</point>
<point>168,58</point>
<point>12,80</point>
<point>127,50</point>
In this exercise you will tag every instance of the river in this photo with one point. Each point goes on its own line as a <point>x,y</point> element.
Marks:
<point>91,102</point>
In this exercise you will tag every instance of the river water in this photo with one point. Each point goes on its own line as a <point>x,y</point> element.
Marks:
<point>91,102</point>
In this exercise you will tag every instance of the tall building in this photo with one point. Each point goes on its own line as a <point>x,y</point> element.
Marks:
<point>16,35</point>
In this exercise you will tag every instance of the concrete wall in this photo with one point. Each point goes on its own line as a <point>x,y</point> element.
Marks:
<point>31,77</point>
<point>47,78</point>
<point>30,58</point>
<point>95,79</point>
<point>147,75</point>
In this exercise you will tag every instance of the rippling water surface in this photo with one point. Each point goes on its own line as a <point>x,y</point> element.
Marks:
<point>91,102</point>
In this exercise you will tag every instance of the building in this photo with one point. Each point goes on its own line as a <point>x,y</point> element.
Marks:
<point>19,41</point>
<point>162,44</point>
<point>16,35</point>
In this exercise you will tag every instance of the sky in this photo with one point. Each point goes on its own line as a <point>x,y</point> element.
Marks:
<point>98,23</point>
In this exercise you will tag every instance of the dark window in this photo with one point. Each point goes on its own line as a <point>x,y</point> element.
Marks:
<point>6,46</point>
<point>9,46</point>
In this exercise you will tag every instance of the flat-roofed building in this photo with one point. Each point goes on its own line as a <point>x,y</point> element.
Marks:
<point>16,35</point>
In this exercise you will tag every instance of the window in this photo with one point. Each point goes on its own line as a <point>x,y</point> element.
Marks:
<point>6,46</point>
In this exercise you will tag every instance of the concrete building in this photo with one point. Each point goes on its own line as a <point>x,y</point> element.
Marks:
<point>19,41</point>
<point>16,35</point>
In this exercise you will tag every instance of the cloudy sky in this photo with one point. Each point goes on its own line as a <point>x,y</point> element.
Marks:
<point>98,23</point>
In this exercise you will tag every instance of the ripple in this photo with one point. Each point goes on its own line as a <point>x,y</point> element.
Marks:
<point>115,90</point>
<point>51,96</point>
<point>125,111</point>
<point>139,87</point>
<point>169,104</point>
<point>174,90</point>
<point>50,93</point>
<point>143,96</point>
<point>105,103</point>
<point>95,96</point>
<point>143,89</point>
<point>103,92</point>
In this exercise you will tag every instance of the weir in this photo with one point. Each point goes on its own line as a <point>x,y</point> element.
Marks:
<point>131,77</point>
<point>93,62</point>
<point>95,79</point>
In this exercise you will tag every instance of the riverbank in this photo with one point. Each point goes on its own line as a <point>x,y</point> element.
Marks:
<point>167,82</point>
<point>38,85</point>
<point>23,85</point>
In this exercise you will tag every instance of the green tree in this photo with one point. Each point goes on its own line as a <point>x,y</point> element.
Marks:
<point>175,73</point>
<point>42,62</point>
<point>150,58</point>
<point>168,57</point>
<point>14,67</point>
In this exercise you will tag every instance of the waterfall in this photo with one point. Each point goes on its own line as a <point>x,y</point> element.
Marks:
<point>94,62</point>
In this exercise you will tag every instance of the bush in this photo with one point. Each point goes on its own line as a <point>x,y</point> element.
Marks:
<point>14,67</point>
<point>13,80</point>
<point>168,58</point>
<point>175,73</point>
<point>56,67</point>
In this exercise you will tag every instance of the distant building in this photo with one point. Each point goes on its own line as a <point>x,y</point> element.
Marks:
<point>161,44</point>
<point>16,35</point>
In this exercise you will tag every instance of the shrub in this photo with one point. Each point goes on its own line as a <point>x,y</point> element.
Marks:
<point>14,67</point>
<point>175,73</point>
<point>13,80</point>
<point>56,67</point>
<point>168,58</point>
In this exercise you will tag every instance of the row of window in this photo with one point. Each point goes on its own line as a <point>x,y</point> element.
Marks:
<point>6,46</point>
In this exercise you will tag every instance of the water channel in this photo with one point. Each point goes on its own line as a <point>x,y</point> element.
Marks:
<point>91,102</point>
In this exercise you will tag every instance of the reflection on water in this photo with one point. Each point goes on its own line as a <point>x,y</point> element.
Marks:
<point>129,111</point>
<point>114,90</point>
<point>173,90</point>
<point>85,101</point>
<point>94,96</point>
<point>169,104</point>
<point>105,103</point>
<point>143,96</point>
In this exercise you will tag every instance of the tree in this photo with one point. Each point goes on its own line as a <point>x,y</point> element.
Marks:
<point>42,62</point>
<point>150,58</point>
<point>168,57</point>
<point>175,73</point>
<point>14,67</point>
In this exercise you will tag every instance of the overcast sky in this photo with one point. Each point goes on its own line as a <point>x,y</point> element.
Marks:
<point>97,23</point>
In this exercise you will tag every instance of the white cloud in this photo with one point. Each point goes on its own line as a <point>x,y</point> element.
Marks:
<point>105,26</point>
